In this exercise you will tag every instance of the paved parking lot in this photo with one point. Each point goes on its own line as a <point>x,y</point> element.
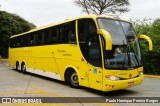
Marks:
<point>16,84</point>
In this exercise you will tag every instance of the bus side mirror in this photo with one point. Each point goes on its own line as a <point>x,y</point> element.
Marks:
<point>148,40</point>
<point>107,37</point>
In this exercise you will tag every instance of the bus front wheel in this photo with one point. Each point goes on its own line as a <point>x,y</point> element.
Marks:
<point>72,79</point>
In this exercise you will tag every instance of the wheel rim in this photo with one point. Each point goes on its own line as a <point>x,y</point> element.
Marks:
<point>74,78</point>
<point>23,68</point>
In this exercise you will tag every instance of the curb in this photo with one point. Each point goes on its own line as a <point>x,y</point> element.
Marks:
<point>151,76</point>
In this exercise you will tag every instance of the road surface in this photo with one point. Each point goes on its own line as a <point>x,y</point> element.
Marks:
<point>16,84</point>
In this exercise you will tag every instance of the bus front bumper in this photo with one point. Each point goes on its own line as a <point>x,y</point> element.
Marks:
<point>110,85</point>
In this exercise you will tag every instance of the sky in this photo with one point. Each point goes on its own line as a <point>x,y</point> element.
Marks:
<point>43,12</point>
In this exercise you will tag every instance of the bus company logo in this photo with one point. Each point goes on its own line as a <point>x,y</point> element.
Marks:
<point>6,100</point>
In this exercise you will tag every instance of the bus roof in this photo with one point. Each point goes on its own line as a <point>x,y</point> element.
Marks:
<point>67,20</point>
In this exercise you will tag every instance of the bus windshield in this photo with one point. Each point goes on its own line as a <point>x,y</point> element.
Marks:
<point>125,53</point>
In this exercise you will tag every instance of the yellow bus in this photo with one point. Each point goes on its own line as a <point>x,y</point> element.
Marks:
<point>99,52</point>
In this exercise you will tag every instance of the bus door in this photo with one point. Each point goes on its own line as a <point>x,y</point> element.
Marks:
<point>90,48</point>
<point>95,63</point>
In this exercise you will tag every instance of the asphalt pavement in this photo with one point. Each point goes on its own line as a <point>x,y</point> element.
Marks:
<point>16,84</point>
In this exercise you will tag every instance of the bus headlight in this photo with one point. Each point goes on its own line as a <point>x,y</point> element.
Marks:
<point>140,73</point>
<point>114,78</point>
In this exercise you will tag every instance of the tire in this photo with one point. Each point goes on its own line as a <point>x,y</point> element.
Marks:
<point>17,66</point>
<point>23,68</point>
<point>72,79</point>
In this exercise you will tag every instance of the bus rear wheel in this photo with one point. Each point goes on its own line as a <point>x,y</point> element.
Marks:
<point>17,66</point>
<point>23,68</point>
<point>72,79</point>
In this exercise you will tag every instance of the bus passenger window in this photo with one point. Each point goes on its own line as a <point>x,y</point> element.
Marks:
<point>46,36</point>
<point>18,42</point>
<point>63,34</point>
<point>72,34</point>
<point>64,30</point>
<point>86,28</point>
<point>54,35</point>
<point>94,51</point>
<point>51,36</point>
<point>81,31</point>
<point>67,32</point>
<point>24,41</point>
<point>72,38</point>
<point>92,27</point>
<point>39,38</point>
<point>31,40</point>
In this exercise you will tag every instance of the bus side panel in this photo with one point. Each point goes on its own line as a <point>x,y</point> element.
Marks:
<point>11,58</point>
<point>14,56</point>
<point>69,56</point>
<point>42,59</point>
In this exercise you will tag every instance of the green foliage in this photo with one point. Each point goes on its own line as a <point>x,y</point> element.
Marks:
<point>151,29</point>
<point>11,24</point>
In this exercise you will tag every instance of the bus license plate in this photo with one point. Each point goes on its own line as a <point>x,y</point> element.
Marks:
<point>130,84</point>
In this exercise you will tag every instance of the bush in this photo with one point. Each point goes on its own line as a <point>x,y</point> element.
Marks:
<point>150,28</point>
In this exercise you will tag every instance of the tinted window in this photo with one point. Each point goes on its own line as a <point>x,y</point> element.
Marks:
<point>17,42</point>
<point>39,37</point>
<point>31,39</point>
<point>53,35</point>
<point>86,29</point>
<point>72,34</point>
<point>68,33</point>
<point>94,51</point>
<point>82,30</point>
<point>13,42</point>
<point>64,33</point>
<point>46,36</point>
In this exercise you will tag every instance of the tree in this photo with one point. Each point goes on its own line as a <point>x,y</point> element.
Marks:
<point>151,29</point>
<point>11,24</point>
<point>100,7</point>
